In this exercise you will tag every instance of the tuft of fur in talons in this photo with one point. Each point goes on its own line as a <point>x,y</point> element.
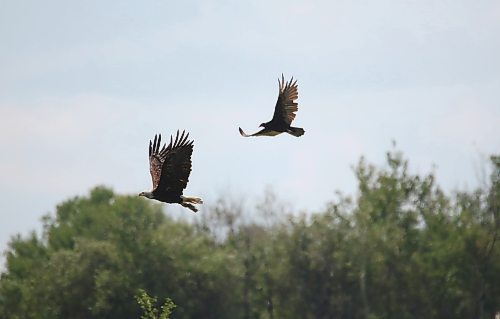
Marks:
<point>188,201</point>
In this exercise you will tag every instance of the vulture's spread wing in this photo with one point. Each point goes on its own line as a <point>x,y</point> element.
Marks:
<point>176,165</point>
<point>285,109</point>
<point>263,132</point>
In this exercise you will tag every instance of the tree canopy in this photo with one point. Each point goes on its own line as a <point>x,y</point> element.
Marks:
<point>399,248</point>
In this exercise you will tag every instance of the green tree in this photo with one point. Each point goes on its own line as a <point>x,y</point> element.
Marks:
<point>399,248</point>
<point>98,250</point>
<point>147,304</point>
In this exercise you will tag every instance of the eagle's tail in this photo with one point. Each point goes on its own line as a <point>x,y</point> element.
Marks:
<point>188,201</point>
<point>296,131</point>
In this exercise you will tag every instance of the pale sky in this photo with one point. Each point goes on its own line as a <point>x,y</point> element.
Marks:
<point>85,85</point>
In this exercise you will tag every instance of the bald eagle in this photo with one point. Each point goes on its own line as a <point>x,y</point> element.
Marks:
<point>170,168</point>
<point>284,112</point>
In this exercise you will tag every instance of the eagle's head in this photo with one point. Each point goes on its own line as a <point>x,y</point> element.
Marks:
<point>146,194</point>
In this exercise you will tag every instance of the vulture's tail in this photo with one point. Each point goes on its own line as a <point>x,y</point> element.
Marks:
<point>188,201</point>
<point>296,131</point>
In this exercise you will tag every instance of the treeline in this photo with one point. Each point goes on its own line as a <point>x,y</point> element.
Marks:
<point>401,248</point>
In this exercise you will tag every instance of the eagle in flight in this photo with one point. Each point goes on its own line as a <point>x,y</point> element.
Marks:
<point>170,167</point>
<point>284,112</point>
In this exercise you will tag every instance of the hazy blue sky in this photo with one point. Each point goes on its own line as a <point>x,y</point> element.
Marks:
<point>84,86</point>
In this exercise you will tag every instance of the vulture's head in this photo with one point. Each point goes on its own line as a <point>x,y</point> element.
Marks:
<point>146,194</point>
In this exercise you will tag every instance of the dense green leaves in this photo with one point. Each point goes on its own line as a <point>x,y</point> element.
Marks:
<point>401,248</point>
<point>147,304</point>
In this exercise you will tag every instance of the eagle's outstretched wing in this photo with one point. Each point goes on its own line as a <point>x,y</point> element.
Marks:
<point>263,132</point>
<point>170,167</point>
<point>156,159</point>
<point>284,111</point>
<point>177,166</point>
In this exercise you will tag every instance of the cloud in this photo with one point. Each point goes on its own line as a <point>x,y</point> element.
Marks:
<point>54,120</point>
<point>48,139</point>
<point>471,123</point>
<point>82,92</point>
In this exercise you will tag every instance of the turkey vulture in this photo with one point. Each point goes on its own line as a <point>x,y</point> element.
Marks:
<point>170,168</point>
<point>284,112</point>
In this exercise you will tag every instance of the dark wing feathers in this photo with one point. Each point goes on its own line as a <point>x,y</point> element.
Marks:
<point>284,112</point>
<point>170,167</point>
<point>155,160</point>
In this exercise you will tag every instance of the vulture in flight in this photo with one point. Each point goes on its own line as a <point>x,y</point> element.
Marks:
<point>170,167</point>
<point>284,112</point>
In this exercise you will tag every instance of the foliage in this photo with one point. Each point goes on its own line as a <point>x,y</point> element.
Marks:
<point>147,304</point>
<point>400,248</point>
